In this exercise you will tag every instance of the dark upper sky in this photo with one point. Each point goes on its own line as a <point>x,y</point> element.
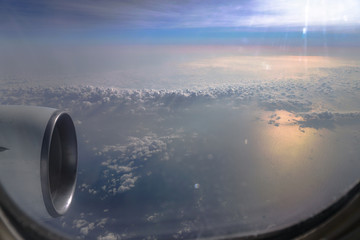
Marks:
<point>174,20</point>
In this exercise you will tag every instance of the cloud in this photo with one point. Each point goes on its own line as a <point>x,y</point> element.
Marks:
<point>118,157</point>
<point>109,236</point>
<point>327,119</point>
<point>137,147</point>
<point>288,105</point>
<point>84,226</point>
<point>119,163</point>
<point>153,217</point>
<point>121,184</point>
<point>291,94</point>
<point>124,161</point>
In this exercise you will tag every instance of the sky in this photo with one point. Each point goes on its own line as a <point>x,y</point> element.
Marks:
<point>172,22</point>
<point>60,41</point>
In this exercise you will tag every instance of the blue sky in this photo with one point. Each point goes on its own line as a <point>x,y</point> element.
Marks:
<point>41,38</point>
<point>190,22</point>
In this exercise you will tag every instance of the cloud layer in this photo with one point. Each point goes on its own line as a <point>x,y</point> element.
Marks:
<point>131,137</point>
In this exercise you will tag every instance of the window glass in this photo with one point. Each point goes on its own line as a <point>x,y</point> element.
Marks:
<point>193,119</point>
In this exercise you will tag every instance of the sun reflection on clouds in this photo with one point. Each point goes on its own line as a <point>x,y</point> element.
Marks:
<point>285,149</point>
<point>284,143</point>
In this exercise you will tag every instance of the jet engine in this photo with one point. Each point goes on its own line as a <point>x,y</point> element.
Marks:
<point>38,159</point>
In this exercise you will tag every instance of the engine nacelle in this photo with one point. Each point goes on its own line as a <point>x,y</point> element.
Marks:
<point>38,159</point>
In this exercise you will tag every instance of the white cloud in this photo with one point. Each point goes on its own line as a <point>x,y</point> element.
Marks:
<point>84,226</point>
<point>153,218</point>
<point>288,92</point>
<point>138,148</point>
<point>123,161</point>
<point>127,182</point>
<point>287,104</point>
<point>109,236</point>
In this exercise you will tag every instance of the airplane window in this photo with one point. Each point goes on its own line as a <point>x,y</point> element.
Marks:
<point>193,119</point>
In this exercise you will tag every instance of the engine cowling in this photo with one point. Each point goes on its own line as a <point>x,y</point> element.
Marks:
<point>38,159</point>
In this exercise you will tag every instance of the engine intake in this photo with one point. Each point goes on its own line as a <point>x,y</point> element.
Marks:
<point>38,155</point>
